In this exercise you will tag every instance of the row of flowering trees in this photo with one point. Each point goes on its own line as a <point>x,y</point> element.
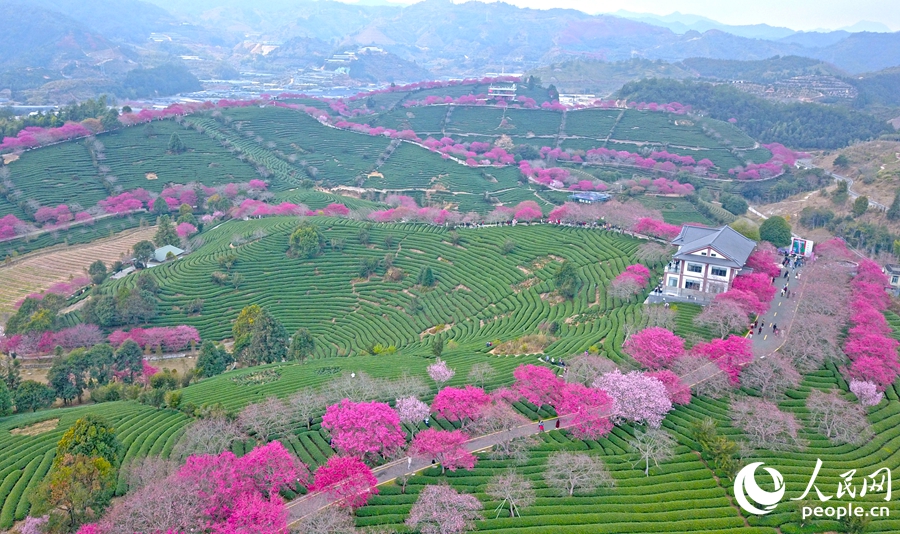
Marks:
<point>661,351</point>
<point>869,345</point>
<point>168,338</point>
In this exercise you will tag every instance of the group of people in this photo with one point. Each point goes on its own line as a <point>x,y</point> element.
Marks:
<point>541,424</point>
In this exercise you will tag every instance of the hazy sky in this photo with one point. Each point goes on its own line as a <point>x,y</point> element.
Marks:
<point>796,14</point>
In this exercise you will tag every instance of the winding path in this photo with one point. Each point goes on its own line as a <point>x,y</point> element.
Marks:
<point>311,503</point>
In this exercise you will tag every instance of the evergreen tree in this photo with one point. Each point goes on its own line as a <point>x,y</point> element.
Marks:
<point>13,376</point>
<point>306,241</point>
<point>776,230</point>
<point>893,212</point>
<point>31,395</point>
<point>302,345</point>
<point>66,380</point>
<point>165,232</point>
<point>129,359</point>
<point>176,145</point>
<point>100,363</point>
<point>6,401</point>
<point>566,280</point>
<point>97,272</point>
<point>143,252</point>
<point>90,436</point>
<point>160,206</point>
<point>258,337</point>
<point>437,346</point>
<point>213,359</point>
<point>426,277</point>
<point>860,205</point>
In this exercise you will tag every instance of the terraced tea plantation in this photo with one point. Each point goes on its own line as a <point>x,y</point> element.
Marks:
<point>481,293</point>
<point>680,496</point>
<point>28,445</point>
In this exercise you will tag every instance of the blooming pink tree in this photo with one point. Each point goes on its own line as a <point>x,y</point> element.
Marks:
<point>764,260</point>
<point>448,448</point>
<point>347,480</point>
<point>730,354</point>
<point>679,392</point>
<point>656,228</point>
<point>440,372</point>
<point>185,230</point>
<point>654,347</point>
<point>411,410</point>
<point>760,284</point>
<point>866,392</point>
<point>591,409</point>
<point>364,428</point>
<point>538,385</point>
<point>440,509</point>
<point>747,300</point>
<point>458,404</point>
<point>637,397</point>
<point>243,493</point>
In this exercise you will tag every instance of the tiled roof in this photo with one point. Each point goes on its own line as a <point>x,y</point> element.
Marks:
<point>728,242</point>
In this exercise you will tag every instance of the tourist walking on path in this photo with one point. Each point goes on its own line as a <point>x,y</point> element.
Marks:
<point>557,422</point>
<point>541,426</point>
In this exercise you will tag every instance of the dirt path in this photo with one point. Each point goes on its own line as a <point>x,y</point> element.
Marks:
<point>39,270</point>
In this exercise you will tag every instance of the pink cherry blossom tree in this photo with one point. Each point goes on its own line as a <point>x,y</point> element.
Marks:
<point>592,409</point>
<point>448,448</point>
<point>225,493</point>
<point>411,410</point>
<point>460,404</point>
<point>637,398</point>
<point>679,393</point>
<point>866,392</point>
<point>764,260</point>
<point>364,428</point>
<point>347,480</point>
<point>654,347</point>
<point>440,372</point>
<point>539,385</point>
<point>440,509</point>
<point>730,354</point>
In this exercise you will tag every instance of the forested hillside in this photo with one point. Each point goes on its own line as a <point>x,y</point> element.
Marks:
<point>811,126</point>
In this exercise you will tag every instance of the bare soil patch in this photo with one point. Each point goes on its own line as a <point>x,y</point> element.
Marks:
<point>552,298</point>
<point>151,176</point>
<point>36,429</point>
<point>533,344</point>
<point>525,284</point>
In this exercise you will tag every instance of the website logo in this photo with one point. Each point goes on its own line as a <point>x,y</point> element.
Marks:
<point>745,486</point>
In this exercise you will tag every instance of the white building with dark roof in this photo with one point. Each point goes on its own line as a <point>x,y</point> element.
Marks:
<point>706,262</point>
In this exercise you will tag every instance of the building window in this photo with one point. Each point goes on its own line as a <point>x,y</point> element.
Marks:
<point>895,280</point>
<point>716,288</point>
<point>673,282</point>
<point>703,253</point>
<point>695,268</point>
<point>718,271</point>
<point>713,254</point>
<point>690,284</point>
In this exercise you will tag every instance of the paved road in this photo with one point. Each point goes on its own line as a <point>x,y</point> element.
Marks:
<point>311,503</point>
<point>781,313</point>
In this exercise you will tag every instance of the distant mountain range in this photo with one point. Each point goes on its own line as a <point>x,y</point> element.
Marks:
<point>104,39</point>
